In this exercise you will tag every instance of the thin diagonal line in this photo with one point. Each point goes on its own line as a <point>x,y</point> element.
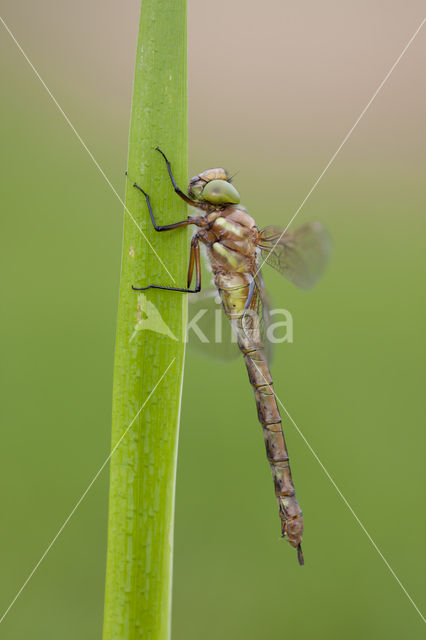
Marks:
<point>345,139</point>
<point>84,145</point>
<point>342,496</point>
<point>95,477</point>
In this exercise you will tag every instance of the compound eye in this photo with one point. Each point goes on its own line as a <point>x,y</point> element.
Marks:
<point>220,192</point>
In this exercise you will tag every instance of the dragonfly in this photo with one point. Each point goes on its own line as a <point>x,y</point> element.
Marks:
<point>236,249</point>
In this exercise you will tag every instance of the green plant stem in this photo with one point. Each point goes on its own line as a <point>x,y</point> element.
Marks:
<point>149,339</point>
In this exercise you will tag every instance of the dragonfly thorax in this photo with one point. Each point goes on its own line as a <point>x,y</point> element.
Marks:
<point>213,186</point>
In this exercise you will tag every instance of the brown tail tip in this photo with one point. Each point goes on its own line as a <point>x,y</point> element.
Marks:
<point>300,555</point>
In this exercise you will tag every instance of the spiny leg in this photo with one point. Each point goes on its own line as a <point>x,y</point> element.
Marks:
<point>179,192</point>
<point>194,258</point>
<point>195,250</point>
<point>165,227</point>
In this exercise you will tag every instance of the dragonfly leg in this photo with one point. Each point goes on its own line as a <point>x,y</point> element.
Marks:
<point>179,192</point>
<point>165,227</point>
<point>194,258</point>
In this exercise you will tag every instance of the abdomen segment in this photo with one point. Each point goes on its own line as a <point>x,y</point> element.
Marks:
<point>276,449</point>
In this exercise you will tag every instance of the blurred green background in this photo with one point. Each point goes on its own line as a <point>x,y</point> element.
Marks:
<point>273,91</point>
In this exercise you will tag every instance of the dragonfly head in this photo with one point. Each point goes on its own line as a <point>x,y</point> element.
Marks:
<point>213,186</point>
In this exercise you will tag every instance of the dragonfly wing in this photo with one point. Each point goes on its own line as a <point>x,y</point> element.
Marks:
<point>211,333</point>
<point>263,310</point>
<point>300,255</point>
<point>256,319</point>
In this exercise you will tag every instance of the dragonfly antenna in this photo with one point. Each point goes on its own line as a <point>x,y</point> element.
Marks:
<point>233,175</point>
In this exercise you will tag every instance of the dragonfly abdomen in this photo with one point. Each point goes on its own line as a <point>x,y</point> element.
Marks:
<point>247,330</point>
<point>276,449</point>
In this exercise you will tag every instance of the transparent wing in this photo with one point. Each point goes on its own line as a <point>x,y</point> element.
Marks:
<point>263,311</point>
<point>210,333</point>
<point>256,319</point>
<point>300,255</point>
